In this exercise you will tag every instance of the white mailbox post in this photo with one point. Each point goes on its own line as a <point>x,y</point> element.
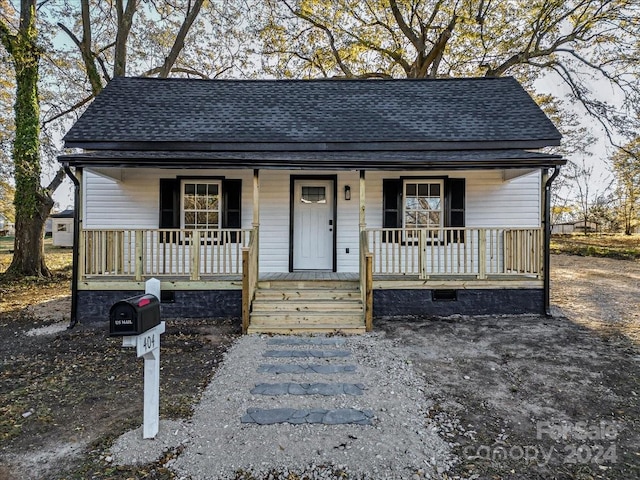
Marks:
<point>148,347</point>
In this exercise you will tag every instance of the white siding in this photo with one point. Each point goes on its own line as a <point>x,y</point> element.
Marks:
<point>491,202</point>
<point>62,232</point>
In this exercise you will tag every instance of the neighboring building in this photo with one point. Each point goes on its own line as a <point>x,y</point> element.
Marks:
<point>62,228</point>
<point>567,228</point>
<point>314,205</point>
<point>564,228</point>
<point>588,227</point>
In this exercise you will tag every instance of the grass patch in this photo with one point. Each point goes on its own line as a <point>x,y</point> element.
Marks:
<point>621,247</point>
<point>58,259</point>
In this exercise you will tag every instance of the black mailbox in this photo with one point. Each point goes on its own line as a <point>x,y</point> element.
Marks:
<point>134,315</point>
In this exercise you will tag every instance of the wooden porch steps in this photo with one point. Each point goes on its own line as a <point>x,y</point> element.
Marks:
<point>309,306</point>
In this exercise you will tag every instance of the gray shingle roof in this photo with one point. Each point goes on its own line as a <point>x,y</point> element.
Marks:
<point>213,114</point>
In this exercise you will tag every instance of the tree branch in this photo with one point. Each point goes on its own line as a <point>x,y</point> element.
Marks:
<point>69,110</point>
<point>56,182</point>
<point>336,54</point>
<point>406,29</point>
<point>178,44</point>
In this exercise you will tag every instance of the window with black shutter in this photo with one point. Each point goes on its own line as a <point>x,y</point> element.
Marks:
<point>423,203</point>
<point>199,204</point>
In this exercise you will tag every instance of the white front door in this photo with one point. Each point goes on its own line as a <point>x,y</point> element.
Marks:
<point>313,224</point>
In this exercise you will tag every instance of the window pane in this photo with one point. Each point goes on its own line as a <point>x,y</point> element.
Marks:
<point>212,219</point>
<point>201,202</point>
<point>189,202</point>
<point>189,218</point>
<point>213,189</point>
<point>201,189</point>
<point>411,189</point>
<point>422,220</point>
<point>435,189</point>
<point>212,203</point>
<point>434,219</point>
<point>423,189</point>
<point>313,195</point>
<point>201,218</point>
<point>423,203</point>
<point>434,203</point>
<point>411,203</point>
<point>189,188</point>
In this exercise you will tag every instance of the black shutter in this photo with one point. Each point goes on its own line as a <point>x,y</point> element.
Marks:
<point>169,203</point>
<point>169,207</point>
<point>454,205</point>
<point>391,204</point>
<point>232,205</point>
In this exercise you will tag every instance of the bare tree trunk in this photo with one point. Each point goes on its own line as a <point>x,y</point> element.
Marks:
<point>125,21</point>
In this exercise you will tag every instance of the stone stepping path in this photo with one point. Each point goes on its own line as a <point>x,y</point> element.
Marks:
<point>317,415</point>
<point>306,353</point>
<point>326,389</point>
<point>301,369</point>
<point>307,341</point>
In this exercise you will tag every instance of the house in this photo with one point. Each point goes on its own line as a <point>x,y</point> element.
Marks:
<point>563,228</point>
<point>586,227</point>
<point>7,228</point>
<point>567,228</point>
<point>313,205</point>
<point>62,228</point>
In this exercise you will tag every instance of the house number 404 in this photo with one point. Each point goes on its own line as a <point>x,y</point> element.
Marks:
<point>149,342</point>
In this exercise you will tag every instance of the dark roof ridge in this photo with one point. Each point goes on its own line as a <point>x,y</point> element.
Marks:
<point>312,80</point>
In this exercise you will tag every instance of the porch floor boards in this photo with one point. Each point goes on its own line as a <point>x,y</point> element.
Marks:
<point>315,275</point>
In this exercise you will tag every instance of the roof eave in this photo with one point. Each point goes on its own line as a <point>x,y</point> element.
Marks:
<point>445,164</point>
<point>315,146</point>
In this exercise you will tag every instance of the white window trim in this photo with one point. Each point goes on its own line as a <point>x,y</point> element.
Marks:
<point>422,181</point>
<point>205,181</point>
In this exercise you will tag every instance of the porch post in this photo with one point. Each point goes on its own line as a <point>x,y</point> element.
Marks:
<point>363,222</point>
<point>547,181</point>
<point>256,216</point>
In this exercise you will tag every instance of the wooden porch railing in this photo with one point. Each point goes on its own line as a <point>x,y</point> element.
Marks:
<point>249,278</point>
<point>366,280</point>
<point>161,252</point>
<point>477,252</point>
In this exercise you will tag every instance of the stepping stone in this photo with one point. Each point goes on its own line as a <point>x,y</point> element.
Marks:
<point>306,353</point>
<point>323,369</point>
<point>307,341</point>
<point>340,416</point>
<point>326,389</point>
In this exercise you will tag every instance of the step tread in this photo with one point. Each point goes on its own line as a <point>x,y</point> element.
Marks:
<point>347,329</point>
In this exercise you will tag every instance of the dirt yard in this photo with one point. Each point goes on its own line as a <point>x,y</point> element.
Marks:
<point>539,398</point>
<point>518,397</point>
